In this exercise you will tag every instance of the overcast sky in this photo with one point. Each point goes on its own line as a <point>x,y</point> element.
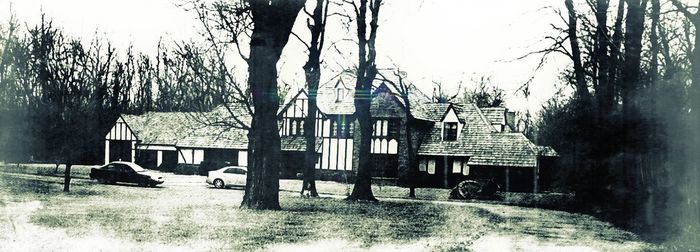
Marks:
<point>445,41</point>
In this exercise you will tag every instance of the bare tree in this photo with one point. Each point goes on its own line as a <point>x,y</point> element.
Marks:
<point>440,95</point>
<point>407,173</point>
<point>485,94</point>
<point>579,71</point>
<point>366,73</point>
<point>316,23</point>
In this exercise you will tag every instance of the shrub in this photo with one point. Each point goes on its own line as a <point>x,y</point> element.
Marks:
<point>208,165</point>
<point>186,169</point>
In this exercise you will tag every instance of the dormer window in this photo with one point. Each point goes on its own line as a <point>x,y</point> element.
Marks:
<point>449,131</point>
<point>339,94</point>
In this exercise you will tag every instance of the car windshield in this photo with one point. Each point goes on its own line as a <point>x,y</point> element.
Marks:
<point>137,168</point>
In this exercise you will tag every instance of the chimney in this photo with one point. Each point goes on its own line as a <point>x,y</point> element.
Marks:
<point>510,120</point>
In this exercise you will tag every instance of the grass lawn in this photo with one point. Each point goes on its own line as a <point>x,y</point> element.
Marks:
<point>184,214</point>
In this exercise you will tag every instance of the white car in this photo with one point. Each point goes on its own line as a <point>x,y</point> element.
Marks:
<point>228,176</point>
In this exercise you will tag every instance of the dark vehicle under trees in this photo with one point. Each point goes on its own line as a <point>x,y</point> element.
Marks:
<point>125,172</point>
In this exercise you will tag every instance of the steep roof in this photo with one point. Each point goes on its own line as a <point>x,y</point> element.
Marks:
<point>298,143</point>
<point>493,149</point>
<point>475,121</point>
<point>479,141</point>
<point>547,151</point>
<point>326,97</point>
<point>216,137</point>
<point>495,115</point>
<point>203,130</point>
<point>161,128</point>
<point>225,129</point>
<point>429,111</point>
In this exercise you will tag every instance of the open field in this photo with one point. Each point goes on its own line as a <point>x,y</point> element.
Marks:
<point>185,214</point>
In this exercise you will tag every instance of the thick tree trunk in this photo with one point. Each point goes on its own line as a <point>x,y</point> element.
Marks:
<point>66,177</point>
<point>630,108</point>
<point>366,72</point>
<point>363,181</point>
<point>273,21</point>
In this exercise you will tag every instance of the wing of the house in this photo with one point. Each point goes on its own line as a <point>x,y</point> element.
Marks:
<point>221,137</point>
<point>466,143</point>
<point>157,134</point>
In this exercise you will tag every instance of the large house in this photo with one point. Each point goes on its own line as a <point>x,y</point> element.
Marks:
<point>452,142</point>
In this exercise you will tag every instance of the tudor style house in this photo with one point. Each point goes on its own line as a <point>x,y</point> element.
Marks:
<point>452,142</point>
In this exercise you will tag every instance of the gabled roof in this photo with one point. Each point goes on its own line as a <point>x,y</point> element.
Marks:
<point>433,112</point>
<point>327,102</point>
<point>478,140</point>
<point>216,137</point>
<point>221,130</point>
<point>492,149</point>
<point>475,121</point>
<point>495,115</point>
<point>289,98</point>
<point>298,143</point>
<point>547,151</point>
<point>161,128</point>
<point>201,130</point>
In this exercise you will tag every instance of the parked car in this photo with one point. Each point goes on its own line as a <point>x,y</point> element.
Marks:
<point>125,172</point>
<point>228,176</point>
<point>470,189</point>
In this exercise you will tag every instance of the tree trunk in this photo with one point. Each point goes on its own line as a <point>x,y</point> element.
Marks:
<point>611,91</point>
<point>411,169</point>
<point>313,76</point>
<point>312,70</point>
<point>604,103</point>
<point>366,73</point>
<point>579,73</point>
<point>363,181</point>
<point>66,177</point>
<point>630,108</point>
<point>273,21</point>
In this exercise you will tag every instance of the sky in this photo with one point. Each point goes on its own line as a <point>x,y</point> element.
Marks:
<point>446,41</point>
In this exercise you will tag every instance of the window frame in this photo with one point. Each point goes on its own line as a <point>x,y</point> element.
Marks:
<point>450,131</point>
<point>296,126</point>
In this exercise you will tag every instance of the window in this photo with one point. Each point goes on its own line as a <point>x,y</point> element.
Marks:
<point>456,166</point>
<point>421,165</point>
<point>431,166</point>
<point>393,128</point>
<point>386,128</point>
<point>242,158</point>
<point>465,171</point>
<point>339,94</point>
<point>235,171</point>
<point>449,132</point>
<point>296,127</point>
<point>341,128</point>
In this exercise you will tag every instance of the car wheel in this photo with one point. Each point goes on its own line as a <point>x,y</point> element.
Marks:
<point>143,183</point>
<point>218,183</point>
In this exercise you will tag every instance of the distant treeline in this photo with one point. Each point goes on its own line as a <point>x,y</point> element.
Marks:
<point>628,136</point>
<point>59,96</point>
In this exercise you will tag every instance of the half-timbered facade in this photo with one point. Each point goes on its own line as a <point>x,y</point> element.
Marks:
<point>451,142</point>
<point>120,142</point>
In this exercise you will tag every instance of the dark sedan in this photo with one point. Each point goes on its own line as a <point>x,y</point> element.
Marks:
<point>125,172</point>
